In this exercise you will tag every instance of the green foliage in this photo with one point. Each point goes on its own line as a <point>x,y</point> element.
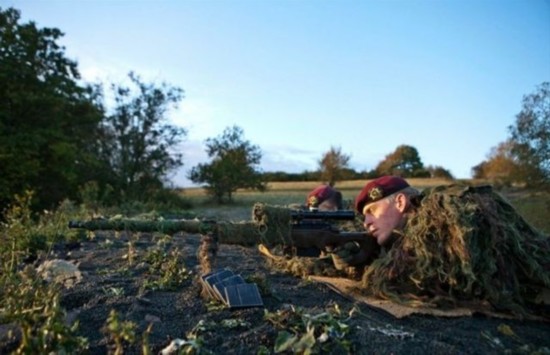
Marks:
<point>119,332</point>
<point>168,271</point>
<point>281,176</point>
<point>167,200</point>
<point>304,333</point>
<point>346,173</point>
<point>233,165</point>
<point>48,122</point>
<point>531,137</point>
<point>15,239</point>
<point>163,202</point>
<point>138,141</point>
<point>534,206</point>
<point>23,235</point>
<point>34,306</point>
<point>332,165</point>
<point>404,162</point>
<point>262,282</point>
<point>93,198</point>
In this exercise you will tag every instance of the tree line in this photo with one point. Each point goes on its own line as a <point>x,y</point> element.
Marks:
<point>63,138</point>
<point>333,166</point>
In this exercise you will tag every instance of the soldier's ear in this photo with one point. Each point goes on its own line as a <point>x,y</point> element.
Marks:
<point>401,202</point>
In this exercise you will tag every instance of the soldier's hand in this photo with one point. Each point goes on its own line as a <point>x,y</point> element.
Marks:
<point>349,254</point>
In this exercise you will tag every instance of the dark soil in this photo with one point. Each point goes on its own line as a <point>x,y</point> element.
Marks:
<point>110,283</point>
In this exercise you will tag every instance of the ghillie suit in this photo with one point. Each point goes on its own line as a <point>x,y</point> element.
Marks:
<point>279,260</point>
<point>463,244</point>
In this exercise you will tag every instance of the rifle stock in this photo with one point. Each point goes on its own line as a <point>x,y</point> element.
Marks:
<point>329,239</point>
<point>321,239</point>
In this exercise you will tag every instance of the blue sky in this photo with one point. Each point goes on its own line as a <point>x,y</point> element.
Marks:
<point>301,76</point>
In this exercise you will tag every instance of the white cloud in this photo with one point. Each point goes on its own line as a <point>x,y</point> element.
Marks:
<point>198,116</point>
<point>288,159</point>
<point>193,154</point>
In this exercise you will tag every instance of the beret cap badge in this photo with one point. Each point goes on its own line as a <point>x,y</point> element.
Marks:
<point>378,189</point>
<point>313,201</point>
<point>376,194</point>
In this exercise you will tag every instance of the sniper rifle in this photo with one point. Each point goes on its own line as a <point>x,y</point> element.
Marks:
<point>270,225</point>
<point>313,231</point>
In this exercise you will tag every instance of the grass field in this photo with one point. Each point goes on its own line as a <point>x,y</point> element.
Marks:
<point>295,192</point>
<point>534,206</point>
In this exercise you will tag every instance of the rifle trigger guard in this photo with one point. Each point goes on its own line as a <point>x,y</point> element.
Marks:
<point>262,229</point>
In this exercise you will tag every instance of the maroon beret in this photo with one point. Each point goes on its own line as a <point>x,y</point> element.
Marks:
<point>318,195</point>
<point>377,189</point>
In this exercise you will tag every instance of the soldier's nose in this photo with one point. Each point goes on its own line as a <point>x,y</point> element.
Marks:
<point>367,221</point>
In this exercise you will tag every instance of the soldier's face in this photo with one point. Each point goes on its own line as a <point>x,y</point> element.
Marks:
<point>382,217</point>
<point>328,205</point>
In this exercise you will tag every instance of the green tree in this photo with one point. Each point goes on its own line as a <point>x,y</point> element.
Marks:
<point>531,137</point>
<point>233,166</point>
<point>48,122</point>
<point>333,166</point>
<point>139,143</point>
<point>404,162</point>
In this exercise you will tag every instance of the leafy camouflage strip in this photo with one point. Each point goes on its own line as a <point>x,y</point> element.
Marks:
<point>270,225</point>
<point>273,223</point>
<point>464,243</point>
<point>242,233</point>
<point>301,266</point>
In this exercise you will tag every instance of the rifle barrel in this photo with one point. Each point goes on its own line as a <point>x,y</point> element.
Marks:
<point>325,215</point>
<point>134,225</point>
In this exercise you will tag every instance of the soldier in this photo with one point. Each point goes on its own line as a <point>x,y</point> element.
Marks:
<point>448,243</point>
<point>324,198</point>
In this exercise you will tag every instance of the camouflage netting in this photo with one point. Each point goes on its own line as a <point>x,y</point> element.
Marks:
<point>270,225</point>
<point>242,233</point>
<point>273,223</point>
<point>464,243</point>
<point>302,266</point>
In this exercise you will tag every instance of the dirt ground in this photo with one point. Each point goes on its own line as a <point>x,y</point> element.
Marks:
<point>108,283</point>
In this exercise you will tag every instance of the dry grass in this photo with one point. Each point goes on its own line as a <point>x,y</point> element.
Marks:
<point>535,207</point>
<point>353,186</point>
